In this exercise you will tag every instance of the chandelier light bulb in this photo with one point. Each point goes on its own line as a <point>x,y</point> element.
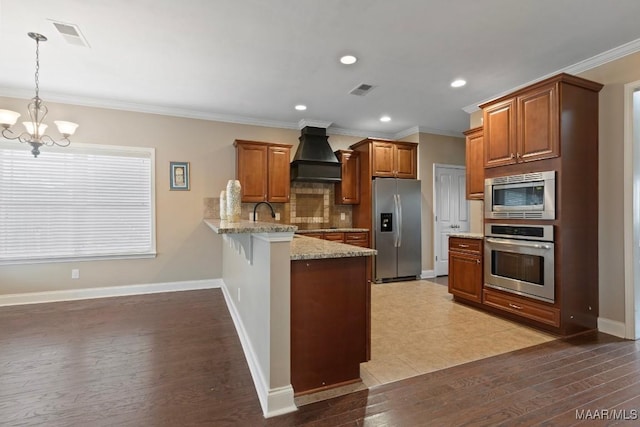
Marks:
<point>31,129</point>
<point>8,118</point>
<point>66,128</point>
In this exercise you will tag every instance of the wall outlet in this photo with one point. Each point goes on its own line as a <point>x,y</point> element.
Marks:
<point>343,216</point>
<point>75,273</point>
<point>277,216</point>
<point>238,294</point>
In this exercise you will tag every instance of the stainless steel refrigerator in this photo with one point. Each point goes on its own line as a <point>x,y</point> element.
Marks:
<point>397,234</point>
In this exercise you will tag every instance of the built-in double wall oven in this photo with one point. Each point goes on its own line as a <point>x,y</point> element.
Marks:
<point>519,257</point>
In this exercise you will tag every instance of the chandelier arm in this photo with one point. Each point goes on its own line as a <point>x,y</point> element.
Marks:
<point>9,134</point>
<point>64,142</point>
<point>47,140</point>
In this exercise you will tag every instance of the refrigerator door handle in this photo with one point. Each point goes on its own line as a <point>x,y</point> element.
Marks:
<point>399,221</point>
<point>396,212</point>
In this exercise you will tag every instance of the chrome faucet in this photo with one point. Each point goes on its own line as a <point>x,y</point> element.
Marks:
<point>273,213</point>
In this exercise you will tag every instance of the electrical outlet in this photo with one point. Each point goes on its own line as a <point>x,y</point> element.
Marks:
<point>343,216</point>
<point>75,273</point>
<point>238,294</point>
<point>277,216</point>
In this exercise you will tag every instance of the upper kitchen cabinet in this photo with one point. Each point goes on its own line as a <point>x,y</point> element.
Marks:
<point>526,125</point>
<point>263,171</point>
<point>475,163</point>
<point>348,189</point>
<point>391,159</point>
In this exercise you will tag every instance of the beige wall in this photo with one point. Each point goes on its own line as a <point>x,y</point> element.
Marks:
<point>187,249</point>
<point>433,149</point>
<point>614,76</point>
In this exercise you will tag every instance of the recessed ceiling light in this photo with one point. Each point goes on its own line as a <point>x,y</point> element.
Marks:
<point>458,83</point>
<point>300,107</point>
<point>385,119</point>
<point>348,59</point>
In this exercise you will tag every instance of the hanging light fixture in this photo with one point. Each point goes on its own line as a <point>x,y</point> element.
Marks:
<point>35,135</point>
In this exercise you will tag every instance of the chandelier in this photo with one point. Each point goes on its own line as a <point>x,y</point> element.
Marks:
<point>35,127</point>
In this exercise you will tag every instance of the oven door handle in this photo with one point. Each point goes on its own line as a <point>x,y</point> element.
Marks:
<point>522,244</point>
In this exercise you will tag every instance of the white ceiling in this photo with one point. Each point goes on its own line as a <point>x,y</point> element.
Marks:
<point>251,61</point>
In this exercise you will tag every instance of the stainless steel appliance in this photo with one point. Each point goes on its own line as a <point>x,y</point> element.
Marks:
<point>525,196</point>
<point>520,259</point>
<point>397,236</point>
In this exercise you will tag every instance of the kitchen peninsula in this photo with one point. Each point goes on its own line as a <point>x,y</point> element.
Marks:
<point>300,306</point>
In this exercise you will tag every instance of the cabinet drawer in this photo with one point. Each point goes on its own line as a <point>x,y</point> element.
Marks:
<point>314,235</point>
<point>334,237</point>
<point>467,245</point>
<point>523,307</point>
<point>353,237</point>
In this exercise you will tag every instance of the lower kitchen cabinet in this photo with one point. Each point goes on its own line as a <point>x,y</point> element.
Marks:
<point>330,321</point>
<point>524,307</point>
<point>465,268</point>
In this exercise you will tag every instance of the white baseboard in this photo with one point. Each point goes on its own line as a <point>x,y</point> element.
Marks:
<point>428,274</point>
<point>612,327</point>
<point>275,401</point>
<point>105,292</point>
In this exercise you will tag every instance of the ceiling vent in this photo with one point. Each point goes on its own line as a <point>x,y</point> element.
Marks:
<point>71,33</point>
<point>362,89</point>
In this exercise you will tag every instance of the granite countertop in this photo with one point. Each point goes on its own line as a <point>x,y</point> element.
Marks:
<point>243,226</point>
<point>468,235</point>
<point>334,230</point>
<point>303,247</point>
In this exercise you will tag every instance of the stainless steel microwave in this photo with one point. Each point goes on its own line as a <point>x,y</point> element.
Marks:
<point>525,196</point>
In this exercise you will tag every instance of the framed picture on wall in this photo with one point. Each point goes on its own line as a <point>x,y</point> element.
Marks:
<point>179,172</point>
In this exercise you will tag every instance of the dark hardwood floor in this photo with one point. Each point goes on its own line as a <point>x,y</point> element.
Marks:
<point>174,359</point>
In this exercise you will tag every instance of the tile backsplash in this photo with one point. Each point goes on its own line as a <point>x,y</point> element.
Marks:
<point>311,206</point>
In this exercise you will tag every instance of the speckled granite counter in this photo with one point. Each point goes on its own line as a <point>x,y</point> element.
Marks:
<point>334,230</point>
<point>468,235</point>
<point>309,248</point>
<point>225,227</point>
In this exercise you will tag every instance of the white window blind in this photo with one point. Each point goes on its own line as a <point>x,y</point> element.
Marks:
<point>79,202</point>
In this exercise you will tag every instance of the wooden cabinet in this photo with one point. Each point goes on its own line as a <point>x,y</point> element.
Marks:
<point>355,238</point>
<point>348,189</point>
<point>263,171</point>
<point>524,307</point>
<point>522,128</point>
<point>394,159</point>
<point>333,236</point>
<point>475,163</point>
<point>465,268</point>
<point>330,322</point>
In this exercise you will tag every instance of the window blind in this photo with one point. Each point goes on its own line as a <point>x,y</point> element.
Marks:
<point>82,201</point>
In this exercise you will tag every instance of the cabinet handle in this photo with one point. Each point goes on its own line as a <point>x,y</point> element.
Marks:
<point>512,156</point>
<point>519,155</point>
<point>477,261</point>
<point>517,307</point>
<point>463,246</point>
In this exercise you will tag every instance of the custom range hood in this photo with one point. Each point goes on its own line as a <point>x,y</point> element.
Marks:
<point>314,160</point>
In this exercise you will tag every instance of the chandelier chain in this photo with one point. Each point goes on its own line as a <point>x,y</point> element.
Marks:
<point>37,68</point>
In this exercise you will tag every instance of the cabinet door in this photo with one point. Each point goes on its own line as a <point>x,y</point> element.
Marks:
<point>538,124</point>
<point>251,171</point>
<point>348,190</point>
<point>406,159</point>
<point>465,276</point>
<point>475,164</point>
<point>334,236</point>
<point>279,177</point>
<point>382,154</point>
<point>500,134</point>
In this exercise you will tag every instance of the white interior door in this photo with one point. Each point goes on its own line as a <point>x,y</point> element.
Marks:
<point>451,211</point>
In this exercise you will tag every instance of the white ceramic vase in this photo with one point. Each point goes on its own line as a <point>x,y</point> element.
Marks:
<point>233,200</point>
<point>223,205</point>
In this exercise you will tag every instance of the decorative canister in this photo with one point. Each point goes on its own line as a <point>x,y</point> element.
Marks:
<point>233,200</point>
<point>223,205</point>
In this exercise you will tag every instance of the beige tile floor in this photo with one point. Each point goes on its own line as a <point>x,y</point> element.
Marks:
<point>417,328</point>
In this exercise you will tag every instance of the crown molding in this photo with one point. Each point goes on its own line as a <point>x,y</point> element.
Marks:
<point>425,129</point>
<point>358,133</point>
<point>579,67</point>
<point>313,123</point>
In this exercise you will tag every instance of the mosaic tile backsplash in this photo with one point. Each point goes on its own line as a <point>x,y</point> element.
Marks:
<point>311,206</point>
